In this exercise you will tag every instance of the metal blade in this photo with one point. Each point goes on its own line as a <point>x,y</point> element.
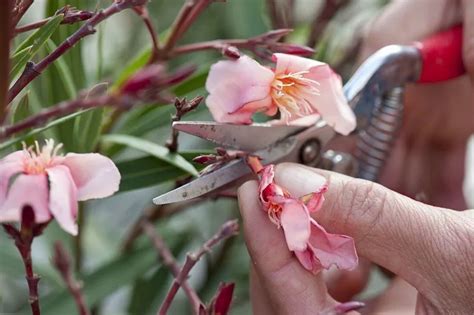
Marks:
<point>226,174</point>
<point>248,138</point>
<point>205,183</point>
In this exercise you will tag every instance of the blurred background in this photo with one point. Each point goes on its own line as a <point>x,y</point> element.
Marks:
<point>132,281</point>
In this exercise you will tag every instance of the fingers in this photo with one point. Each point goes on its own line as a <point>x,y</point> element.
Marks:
<point>290,288</point>
<point>409,238</point>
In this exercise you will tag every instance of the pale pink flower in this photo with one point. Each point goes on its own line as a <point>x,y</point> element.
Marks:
<point>53,184</point>
<point>299,88</point>
<point>313,246</point>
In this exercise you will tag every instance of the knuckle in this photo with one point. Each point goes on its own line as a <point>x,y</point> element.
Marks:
<point>362,203</point>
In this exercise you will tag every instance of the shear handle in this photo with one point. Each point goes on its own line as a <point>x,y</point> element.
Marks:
<point>441,56</point>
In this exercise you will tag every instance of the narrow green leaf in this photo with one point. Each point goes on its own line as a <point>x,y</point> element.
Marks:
<point>32,44</point>
<point>139,61</point>
<point>63,70</point>
<point>153,149</point>
<point>36,131</point>
<point>18,61</point>
<point>87,130</point>
<point>21,110</point>
<point>149,171</point>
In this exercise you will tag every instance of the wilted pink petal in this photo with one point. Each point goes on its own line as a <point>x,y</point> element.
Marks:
<point>63,198</point>
<point>308,260</point>
<point>295,222</point>
<point>234,83</point>
<point>95,175</point>
<point>332,248</point>
<point>26,190</point>
<point>316,199</point>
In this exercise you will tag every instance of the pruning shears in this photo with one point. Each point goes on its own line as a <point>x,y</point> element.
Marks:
<point>375,93</point>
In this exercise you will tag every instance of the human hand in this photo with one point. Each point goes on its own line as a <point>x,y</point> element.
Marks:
<point>428,158</point>
<point>429,247</point>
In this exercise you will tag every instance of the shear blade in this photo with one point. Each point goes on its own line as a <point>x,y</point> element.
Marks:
<point>205,183</point>
<point>248,138</point>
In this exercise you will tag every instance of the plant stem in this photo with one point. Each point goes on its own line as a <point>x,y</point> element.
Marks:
<point>5,36</point>
<point>143,13</point>
<point>20,8</point>
<point>62,262</point>
<point>169,261</point>
<point>189,12</point>
<point>88,28</point>
<point>322,20</point>
<point>227,230</point>
<point>61,109</point>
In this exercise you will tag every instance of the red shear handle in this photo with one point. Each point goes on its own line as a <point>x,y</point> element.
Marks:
<point>441,56</point>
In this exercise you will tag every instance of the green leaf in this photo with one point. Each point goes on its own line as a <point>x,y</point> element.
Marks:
<point>63,71</point>
<point>21,110</point>
<point>87,130</point>
<point>35,41</point>
<point>153,149</point>
<point>138,62</point>
<point>36,131</point>
<point>149,171</point>
<point>18,61</point>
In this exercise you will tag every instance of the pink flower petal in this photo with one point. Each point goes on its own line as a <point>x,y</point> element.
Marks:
<point>332,248</point>
<point>331,102</point>
<point>95,175</point>
<point>295,222</point>
<point>9,166</point>
<point>232,84</point>
<point>63,198</point>
<point>317,199</point>
<point>286,64</point>
<point>26,190</point>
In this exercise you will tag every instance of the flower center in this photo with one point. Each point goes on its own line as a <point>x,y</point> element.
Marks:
<point>290,92</point>
<point>37,160</point>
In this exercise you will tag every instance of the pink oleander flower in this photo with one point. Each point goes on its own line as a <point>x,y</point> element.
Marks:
<point>313,246</point>
<point>53,184</point>
<point>301,89</point>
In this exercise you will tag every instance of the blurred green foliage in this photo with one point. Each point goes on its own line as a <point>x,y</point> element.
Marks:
<point>135,282</point>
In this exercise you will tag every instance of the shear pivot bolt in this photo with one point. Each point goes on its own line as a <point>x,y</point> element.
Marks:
<point>310,150</point>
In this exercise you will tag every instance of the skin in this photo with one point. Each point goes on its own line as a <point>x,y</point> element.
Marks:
<point>426,243</point>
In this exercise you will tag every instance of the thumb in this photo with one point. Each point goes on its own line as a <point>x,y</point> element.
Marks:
<point>416,241</point>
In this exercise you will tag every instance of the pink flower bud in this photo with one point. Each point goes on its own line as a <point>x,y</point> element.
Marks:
<point>231,52</point>
<point>220,304</point>
<point>142,80</point>
<point>293,49</point>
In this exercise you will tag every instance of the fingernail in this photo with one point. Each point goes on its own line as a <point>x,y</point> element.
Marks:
<point>297,179</point>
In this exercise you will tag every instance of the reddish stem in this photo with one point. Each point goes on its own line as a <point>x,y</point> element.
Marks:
<point>5,36</point>
<point>62,262</point>
<point>58,110</point>
<point>143,13</point>
<point>169,261</point>
<point>88,28</point>
<point>227,230</point>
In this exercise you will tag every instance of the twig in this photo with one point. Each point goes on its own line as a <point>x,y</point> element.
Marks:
<point>23,240</point>
<point>164,253</point>
<point>88,28</point>
<point>227,230</point>
<point>320,22</point>
<point>188,13</point>
<point>5,36</point>
<point>58,110</point>
<point>62,262</point>
<point>71,16</point>
<point>182,108</point>
<point>143,13</point>
<point>262,45</point>
<point>20,8</point>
